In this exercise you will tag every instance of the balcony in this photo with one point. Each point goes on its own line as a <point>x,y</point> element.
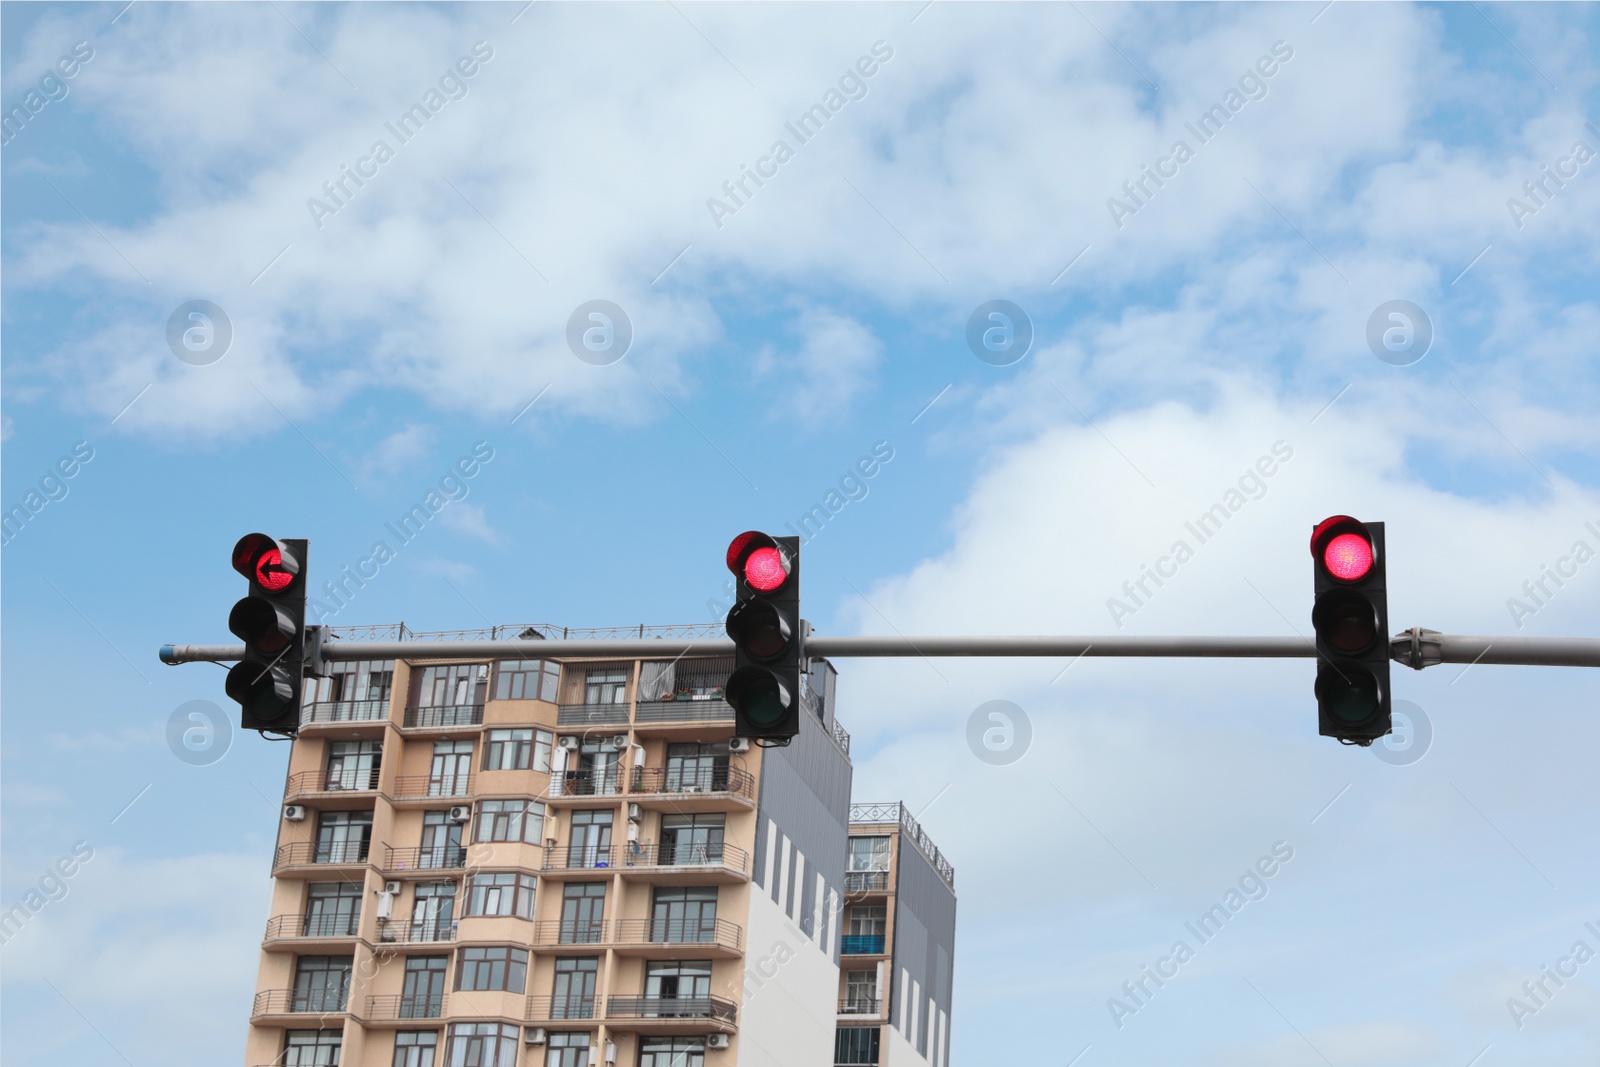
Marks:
<point>688,863</point>
<point>424,858</point>
<point>314,853</point>
<point>657,712</point>
<point>299,1001</point>
<point>861,945</point>
<point>592,715</point>
<point>860,1006</point>
<point>866,881</point>
<point>311,927</point>
<point>585,784</point>
<point>668,938</point>
<point>560,1008</point>
<point>577,861</point>
<point>430,786</point>
<point>548,932</point>
<point>397,1006</point>
<point>444,717</point>
<point>668,1015</point>
<point>718,787</point>
<point>343,711</point>
<point>415,933</point>
<point>360,782</point>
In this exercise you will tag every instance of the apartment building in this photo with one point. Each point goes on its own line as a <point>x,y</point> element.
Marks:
<point>567,863</point>
<point>897,951</point>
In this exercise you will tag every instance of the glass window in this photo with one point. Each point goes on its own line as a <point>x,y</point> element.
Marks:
<point>415,1048</point>
<point>869,853</point>
<point>333,909</point>
<point>510,820</point>
<point>452,684</point>
<point>312,1048</point>
<point>518,750</point>
<point>567,1050</point>
<point>501,893</point>
<point>672,1052</point>
<point>483,1045</point>
<point>606,685</point>
<point>321,983</point>
<point>526,679</point>
<point>867,919</point>
<point>432,914</point>
<point>855,1045</point>
<point>354,680</point>
<point>493,967</point>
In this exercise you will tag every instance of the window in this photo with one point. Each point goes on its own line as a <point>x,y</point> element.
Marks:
<point>510,820</point>
<point>415,1048</point>
<point>356,680</point>
<point>501,893</point>
<point>677,989</point>
<point>606,685</point>
<point>691,839</point>
<point>567,1050</point>
<point>518,750</point>
<point>450,773</point>
<point>441,842</point>
<point>590,841</point>
<point>353,764</point>
<point>855,1045</point>
<point>867,919</point>
<point>343,836</point>
<point>526,679</point>
<point>493,967</point>
<point>452,684</point>
<point>423,997</point>
<point>333,909</point>
<point>869,854</point>
<point>583,913</point>
<point>312,1048</point>
<point>321,983</point>
<point>483,1045</point>
<point>696,767</point>
<point>684,915</point>
<point>672,1052</point>
<point>861,991</point>
<point>573,996</point>
<point>433,912</point>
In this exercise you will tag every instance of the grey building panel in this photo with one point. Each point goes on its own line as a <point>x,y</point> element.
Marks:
<point>924,937</point>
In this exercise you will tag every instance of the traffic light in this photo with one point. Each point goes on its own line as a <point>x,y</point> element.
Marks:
<point>1350,615</point>
<point>271,621</point>
<point>768,637</point>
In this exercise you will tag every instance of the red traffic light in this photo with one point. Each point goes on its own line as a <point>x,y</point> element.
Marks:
<point>759,561</point>
<point>1343,548</point>
<point>267,562</point>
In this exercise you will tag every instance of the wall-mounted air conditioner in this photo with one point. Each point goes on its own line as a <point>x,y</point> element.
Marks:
<point>391,887</point>
<point>294,812</point>
<point>635,813</point>
<point>619,741</point>
<point>716,1041</point>
<point>461,813</point>
<point>533,1035</point>
<point>568,742</point>
<point>738,744</point>
<point>611,1052</point>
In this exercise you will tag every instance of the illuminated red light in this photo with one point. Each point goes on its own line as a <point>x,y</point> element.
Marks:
<point>765,570</point>
<point>1348,557</point>
<point>270,573</point>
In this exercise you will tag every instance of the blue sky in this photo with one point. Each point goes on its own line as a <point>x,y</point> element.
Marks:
<point>1228,313</point>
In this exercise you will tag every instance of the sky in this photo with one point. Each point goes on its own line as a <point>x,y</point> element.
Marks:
<point>761,336</point>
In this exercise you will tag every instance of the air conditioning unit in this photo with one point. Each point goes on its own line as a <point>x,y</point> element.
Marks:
<point>635,813</point>
<point>737,744</point>
<point>533,1035</point>
<point>619,741</point>
<point>391,887</point>
<point>294,812</point>
<point>568,742</point>
<point>461,813</point>
<point>611,1052</point>
<point>716,1041</point>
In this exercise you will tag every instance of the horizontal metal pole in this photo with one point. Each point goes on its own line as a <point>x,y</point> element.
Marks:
<point>1436,648</point>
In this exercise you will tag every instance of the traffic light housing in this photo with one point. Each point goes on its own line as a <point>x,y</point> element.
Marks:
<point>768,637</point>
<point>271,621</point>
<point>1350,616</point>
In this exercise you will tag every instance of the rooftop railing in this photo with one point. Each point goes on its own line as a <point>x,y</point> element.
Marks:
<point>896,813</point>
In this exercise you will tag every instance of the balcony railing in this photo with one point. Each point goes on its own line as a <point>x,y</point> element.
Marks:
<point>897,814</point>
<point>866,881</point>
<point>861,944</point>
<point>415,786</point>
<point>717,778</point>
<point>657,711</point>
<point>585,784</point>
<point>592,715</point>
<point>579,857</point>
<point>714,854</point>
<point>303,852</point>
<point>672,1008</point>
<point>569,932</point>
<point>345,711</point>
<point>567,1006</point>
<point>336,924</point>
<point>719,932</point>
<point>425,858</point>
<point>324,781</point>
<point>442,716</point>
<point>291,1001</point>
<point>860,1006</point>
<point>410,933</point>
<point>405,1006</point>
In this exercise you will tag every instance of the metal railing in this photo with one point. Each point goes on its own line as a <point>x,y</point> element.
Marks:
<point>717,778</point>
<point>442,716</point>
<point>363,779</point>
<point>898,814</point>
<point>657,711</point>
<point>569,932</point>
<point>592,715</point>
<point>417,786</point>
<point>714,1008</point>
<point>566,1006</point>
<point>585,784</point>
<point>425,858</point>
<point>344,711</point>
<point>579,857</point>
<point>714,854</point>
<point>297,853</point>
<point>405,1006</point>
<point>336,924</point>
<point>398,631</point>
<point>866,881</point>
<point>861,945</point>
<point>294,1001</point>
<point>403,932</point>
<point>860,1006</point>
<point>719,932</point>
<point>841,736</point>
